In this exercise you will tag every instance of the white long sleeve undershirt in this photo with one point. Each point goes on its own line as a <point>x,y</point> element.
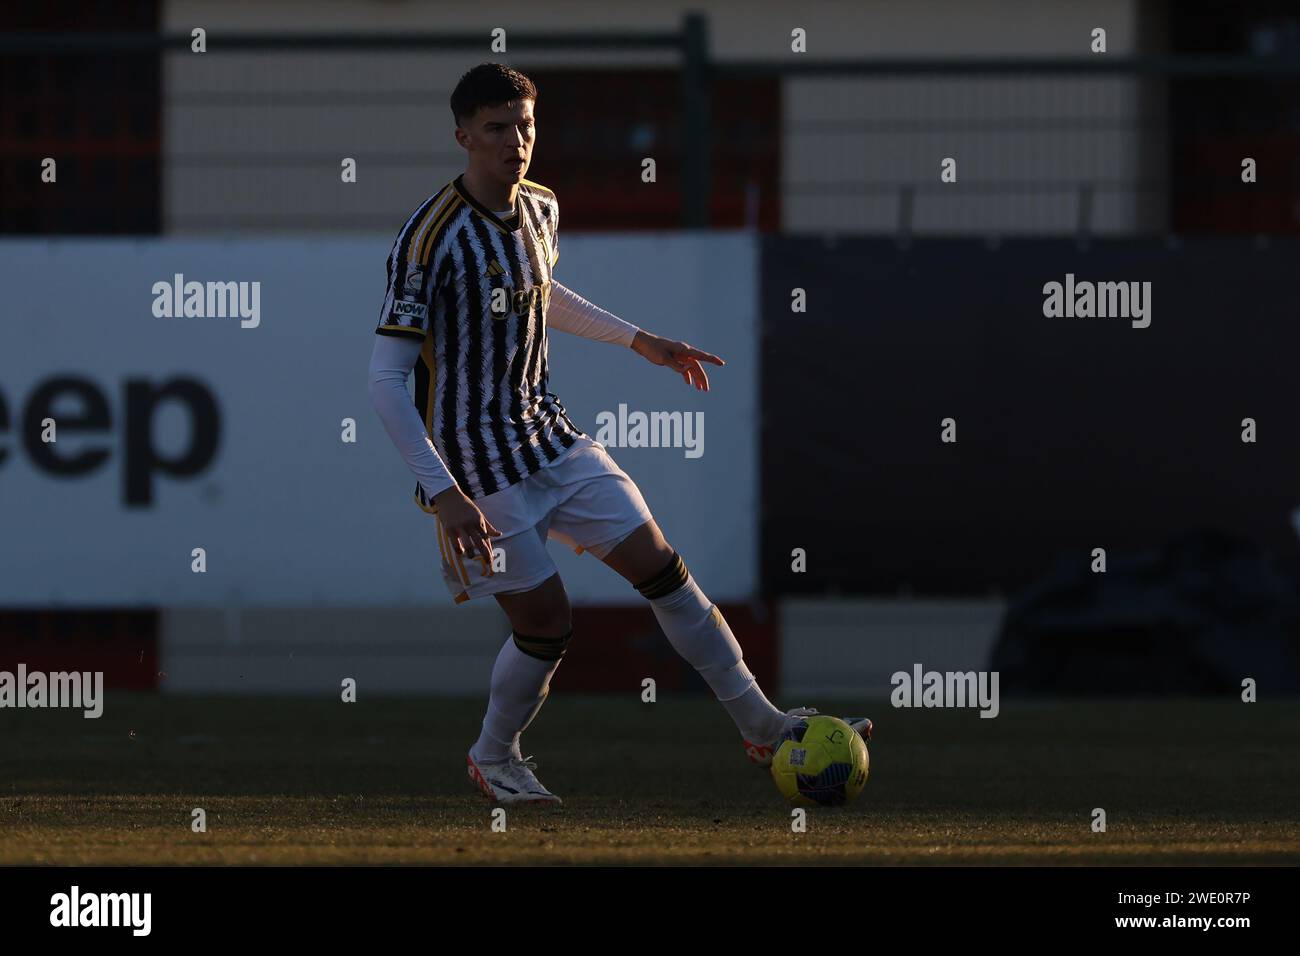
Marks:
<point>390,364</point>
<point>570,312</point>
<point>394,357</point>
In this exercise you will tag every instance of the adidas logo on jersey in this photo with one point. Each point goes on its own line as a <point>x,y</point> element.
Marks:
<point>494,269</point>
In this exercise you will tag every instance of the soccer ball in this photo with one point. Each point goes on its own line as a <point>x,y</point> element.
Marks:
<point>820,762</point>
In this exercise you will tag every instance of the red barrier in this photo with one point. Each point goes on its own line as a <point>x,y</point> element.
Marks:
<point>121,644</point>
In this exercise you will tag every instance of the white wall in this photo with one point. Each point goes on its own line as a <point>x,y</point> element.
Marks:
<point>829,647</point>
<point>445,651</point>
<point>288,514</point>
<point>851,647</point>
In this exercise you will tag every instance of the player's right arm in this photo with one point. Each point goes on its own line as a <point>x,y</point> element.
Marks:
<point>404,322</point>
<point>391,362</point>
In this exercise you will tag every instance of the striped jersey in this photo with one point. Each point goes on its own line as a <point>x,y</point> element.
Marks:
<point>474,287</point>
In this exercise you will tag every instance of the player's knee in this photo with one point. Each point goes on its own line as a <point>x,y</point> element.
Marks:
<point>641,555</point>
<point>543,611</point>
<point>671,577</point>
<point>554,624</point>
<point>546,625</point>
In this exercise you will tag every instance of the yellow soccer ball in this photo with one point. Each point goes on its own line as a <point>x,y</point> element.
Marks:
<point>820,762</point>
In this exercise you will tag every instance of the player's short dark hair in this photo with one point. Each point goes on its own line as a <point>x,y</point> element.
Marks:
<point>489,84</point>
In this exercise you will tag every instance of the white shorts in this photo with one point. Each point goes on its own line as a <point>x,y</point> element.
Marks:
<point>582,499</point>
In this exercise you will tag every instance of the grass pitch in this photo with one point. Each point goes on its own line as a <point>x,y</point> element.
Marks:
<point>383,781</point>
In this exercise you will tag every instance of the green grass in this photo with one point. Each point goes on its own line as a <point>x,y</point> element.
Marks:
<point>383,781</point>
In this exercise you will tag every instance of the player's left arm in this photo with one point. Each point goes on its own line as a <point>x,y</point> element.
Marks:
<point>678,356</point>
<point>570,312</point>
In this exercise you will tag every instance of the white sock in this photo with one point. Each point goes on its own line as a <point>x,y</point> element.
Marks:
<point>758,721</point>
<point>521,679</point>
<point>699,633</point>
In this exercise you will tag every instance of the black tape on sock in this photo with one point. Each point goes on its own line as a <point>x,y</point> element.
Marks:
<point>543,648</point>
<point>666,581</point>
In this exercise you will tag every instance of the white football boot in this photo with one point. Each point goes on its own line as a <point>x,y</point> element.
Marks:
<point>510,781</point>
<point>762,754</point>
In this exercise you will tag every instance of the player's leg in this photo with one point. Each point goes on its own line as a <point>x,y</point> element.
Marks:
<point>642,554</point>
<point>699,632</point>
<point>521,676</point>
<point>601,510</point>
<point>696,629</point>
<point>523,579</point>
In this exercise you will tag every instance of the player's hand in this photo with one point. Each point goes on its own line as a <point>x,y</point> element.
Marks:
<point>467,528</point>
<point>678,356</point>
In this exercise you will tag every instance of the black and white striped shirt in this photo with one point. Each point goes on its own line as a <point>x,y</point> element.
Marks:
<point>475,287</point>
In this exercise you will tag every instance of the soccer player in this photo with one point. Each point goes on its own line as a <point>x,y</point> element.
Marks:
<point>497,460</point>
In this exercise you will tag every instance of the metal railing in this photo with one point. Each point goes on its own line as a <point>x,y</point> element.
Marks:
<point>1036,152</point>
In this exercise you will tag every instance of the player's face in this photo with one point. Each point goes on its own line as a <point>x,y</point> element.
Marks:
<point>501,141</point>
